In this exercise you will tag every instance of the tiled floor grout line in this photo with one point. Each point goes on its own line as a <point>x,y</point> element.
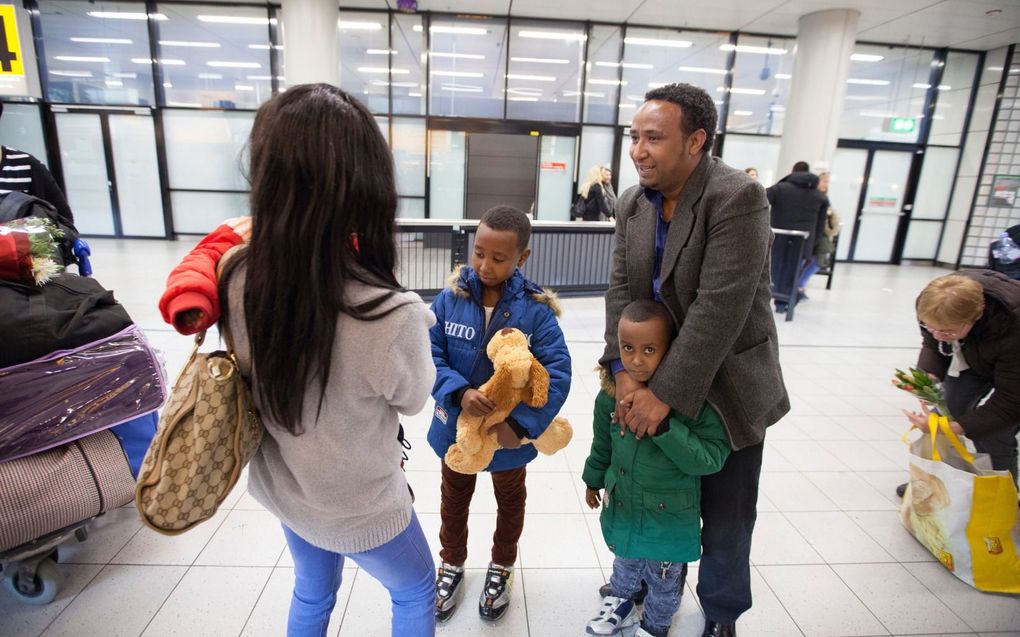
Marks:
<point>779,600</point>
<point>265,585</point>
<point>64,609</point>
<point>347,602</point>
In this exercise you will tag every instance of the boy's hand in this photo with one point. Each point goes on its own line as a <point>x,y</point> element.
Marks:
<point>592,499</point>
<point>505,435</point>
<point>475,403</point>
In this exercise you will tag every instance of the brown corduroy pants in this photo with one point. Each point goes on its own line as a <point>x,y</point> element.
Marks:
<point>457,489</point>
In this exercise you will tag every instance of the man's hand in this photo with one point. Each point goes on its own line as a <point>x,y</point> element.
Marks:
<point>476,404</point>
<point>592,498</point>
<point>505,436</point>
<point>645,412</point>
<point>625,385</point>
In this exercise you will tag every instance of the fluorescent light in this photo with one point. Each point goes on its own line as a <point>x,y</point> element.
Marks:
<point>942,87</point>
<point>233,65</point>
<point>522,99</point>
<point>746,48</point>
<point>243,87</point>
<point>626,65</point>
<point>622,105</point>
<point>783,76</point>
<point>383,70</point>
<point>866,57</point>
<point>359,25</point>
<point>417,28</point>
<point>566,36</point>
<point>80,58</point>
<point>878,114</point>
<point>541,60</point>
<point>655,85</point>
<point>71,73</point>
<point>163,61</point>
<point>197,45</point>
<point>259,78</point>
<point>102,40</point>
<point>127,76</point>
<point>457,74</point>
<point>867,82</point>
<point>743,113</point>
<point>380,52</point>
<point>703,69</point>
<point>167,85</point>
<point>458,88</point>
<point>535,78</point>
<point>675,44</point>
<point>994,69</point>
<point>462,56</point>
<point>265,47</point>
<point>186,104</point>
<point>608,82</point>
<point>586,94</point>
<point>126,15</point>
<point>114,83</point>
<point>439,28</point>
<point>525,91</point>
<point>400,84</point>
<point>777,108</point>
<point>210,76</point>
<point>742,91</point>
<point>412,94</point>
<point>232,19</point>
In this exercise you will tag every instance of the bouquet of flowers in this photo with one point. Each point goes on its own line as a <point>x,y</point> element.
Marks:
<point>928,390</point>
<point>28,250</point>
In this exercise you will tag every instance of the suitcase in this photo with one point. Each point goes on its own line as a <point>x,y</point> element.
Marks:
<point>47,497</point>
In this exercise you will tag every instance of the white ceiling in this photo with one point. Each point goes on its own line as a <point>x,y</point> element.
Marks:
<point>955,23</point>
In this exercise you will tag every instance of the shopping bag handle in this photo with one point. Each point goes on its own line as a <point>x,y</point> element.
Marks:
<point>938,423</point>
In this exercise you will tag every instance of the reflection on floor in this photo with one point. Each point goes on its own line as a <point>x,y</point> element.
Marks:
<point>829,559</point>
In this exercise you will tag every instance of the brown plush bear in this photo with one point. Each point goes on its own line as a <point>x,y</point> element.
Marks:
<point>517,377</point>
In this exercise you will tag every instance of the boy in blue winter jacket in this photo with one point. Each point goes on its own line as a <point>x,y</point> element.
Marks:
<point>482,299</point>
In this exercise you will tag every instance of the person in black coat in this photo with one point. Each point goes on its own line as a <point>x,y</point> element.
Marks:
<point>797,204</point>
<point>597,206</point>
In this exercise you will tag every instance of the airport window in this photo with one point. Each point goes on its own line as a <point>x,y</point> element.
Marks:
<point>885,93</point>
<point>204,149</point>
<point>544,75</point>
<point>96,53</point>
<point>408,146</point>
<point>654,57</point>
<point>408,44</point>
<point>762,74</point>
<point>953,98</point>
<point>365,67</point>
<point>214,56</point>
<point>467,66</point>
<point>603,62</point>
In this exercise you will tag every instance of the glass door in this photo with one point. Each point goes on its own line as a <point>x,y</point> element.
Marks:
<point>882,208</point>
<point>111,171</point>
<point>845,181</point>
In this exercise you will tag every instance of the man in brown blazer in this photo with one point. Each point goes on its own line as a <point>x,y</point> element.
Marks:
<point>695,235</point>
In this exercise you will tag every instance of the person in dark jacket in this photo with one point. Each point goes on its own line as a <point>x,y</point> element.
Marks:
<point>597,206</point>
<point>970,326</point>
<point>797,204</point>
<point>482,299</point>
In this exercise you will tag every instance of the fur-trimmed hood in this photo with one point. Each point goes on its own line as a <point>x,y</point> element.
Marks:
<point>464,283</point>
<point>606,381</point>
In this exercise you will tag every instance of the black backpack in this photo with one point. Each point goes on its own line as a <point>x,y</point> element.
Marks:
<point>18,205</point>
<point>578,208</point>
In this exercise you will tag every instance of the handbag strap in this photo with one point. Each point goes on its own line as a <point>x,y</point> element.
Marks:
<point>938,423</point>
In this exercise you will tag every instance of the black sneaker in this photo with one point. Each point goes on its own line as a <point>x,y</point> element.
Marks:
<point>448,590</point>
<point>606,591</point>
<point>901,489</point>
<point>495,598</point>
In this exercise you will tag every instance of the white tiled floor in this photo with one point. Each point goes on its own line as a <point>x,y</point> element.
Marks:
<point>829,556</point>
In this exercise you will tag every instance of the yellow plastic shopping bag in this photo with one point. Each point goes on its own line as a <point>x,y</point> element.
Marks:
<point>962,511</point>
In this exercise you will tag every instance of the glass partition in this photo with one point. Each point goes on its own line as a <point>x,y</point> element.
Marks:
<point>447,171</point>
<point>555,178</point>
<point>653,57</point>
<point>96,52</point>
<point>407,52</point>
<point>214,55</point>
<point>762,74</point>
<point>365,69</point>
<point>600,99</point>
<point>204,149</point>
<point>409,155</point>
<point>885,93</point>
<point>596,150</point>
<point>467,63</point>
<point>21,128</point>
<point>544,76</point>
<point>752,151</point>
<point>953,98</point>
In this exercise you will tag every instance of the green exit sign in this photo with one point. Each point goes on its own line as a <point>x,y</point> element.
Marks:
<point>902,124</point>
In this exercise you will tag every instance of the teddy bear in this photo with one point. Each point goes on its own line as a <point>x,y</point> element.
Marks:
<point>517,377</point>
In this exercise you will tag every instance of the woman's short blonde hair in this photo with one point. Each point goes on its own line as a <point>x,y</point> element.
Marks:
<point>951,300</point>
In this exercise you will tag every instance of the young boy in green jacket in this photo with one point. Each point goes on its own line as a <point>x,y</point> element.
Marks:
<point>651,512</point>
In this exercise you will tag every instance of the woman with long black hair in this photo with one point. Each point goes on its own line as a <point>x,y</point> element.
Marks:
<point>335,350</point>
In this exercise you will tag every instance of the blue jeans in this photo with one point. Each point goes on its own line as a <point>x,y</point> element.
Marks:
<point>664,589</point>
<point>810,268</point>
<point>403,565</point>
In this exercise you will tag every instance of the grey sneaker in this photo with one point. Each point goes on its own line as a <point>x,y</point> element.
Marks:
<point>616,614</point>
<point>495,598</point>
<point>448,590</point>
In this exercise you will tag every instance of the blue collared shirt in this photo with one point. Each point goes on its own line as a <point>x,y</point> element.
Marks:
<point>661,232</point>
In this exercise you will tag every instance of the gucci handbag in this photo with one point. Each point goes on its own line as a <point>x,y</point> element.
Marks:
<point>208,432</point>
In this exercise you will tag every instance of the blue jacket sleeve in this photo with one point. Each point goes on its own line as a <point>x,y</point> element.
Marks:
<point>549,347</point>
<point>448,380</point>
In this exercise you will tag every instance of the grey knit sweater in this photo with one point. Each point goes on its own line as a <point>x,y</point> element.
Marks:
<point>339,484</point>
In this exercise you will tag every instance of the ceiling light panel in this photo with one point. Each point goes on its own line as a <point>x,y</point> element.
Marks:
<point>746,48</point>
<point>673,44</point>
<point>125,15</point>
<point>82,40</point>
<point>192,44</point>
<point>457,56</point>
<point>232,19</point>
<point>540,60</point>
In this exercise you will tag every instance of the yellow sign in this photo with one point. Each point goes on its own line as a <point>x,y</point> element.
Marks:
<point>10,46</point>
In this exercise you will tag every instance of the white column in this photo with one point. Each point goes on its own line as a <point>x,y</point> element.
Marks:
<point>825,41</point>
<point>310,41</point>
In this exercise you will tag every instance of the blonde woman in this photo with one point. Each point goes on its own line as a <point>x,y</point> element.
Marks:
<point>593,193</point>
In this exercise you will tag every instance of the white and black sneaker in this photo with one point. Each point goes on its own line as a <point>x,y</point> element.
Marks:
<point>495,599</point>
<point>448,590</point>
<point>616,614</point>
